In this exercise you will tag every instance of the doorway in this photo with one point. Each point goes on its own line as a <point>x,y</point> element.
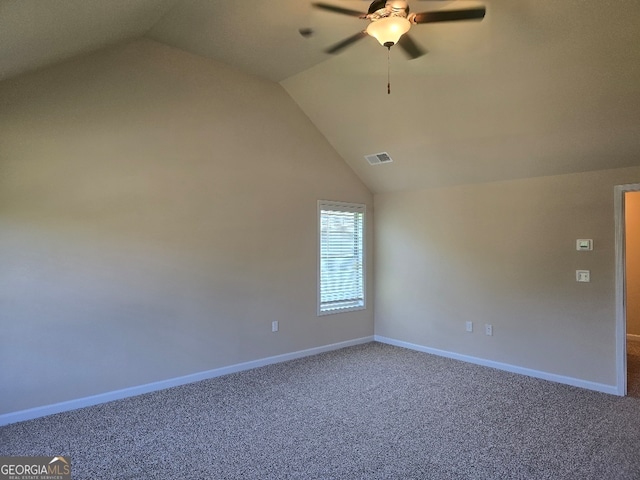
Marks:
<point>627,222</point>
<point>632,289</point>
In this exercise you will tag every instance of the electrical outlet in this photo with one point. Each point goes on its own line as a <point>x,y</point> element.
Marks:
<point>583,276</point>
<point>488,329</point>
<point>469,326</point>
<point>274,326</point>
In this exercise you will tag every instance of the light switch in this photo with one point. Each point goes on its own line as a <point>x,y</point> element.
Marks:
<point>584,244</point>
<point>583,276</point>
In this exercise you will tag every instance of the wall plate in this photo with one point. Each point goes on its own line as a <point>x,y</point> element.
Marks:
<point>584,244</point>
<point>583,276</point>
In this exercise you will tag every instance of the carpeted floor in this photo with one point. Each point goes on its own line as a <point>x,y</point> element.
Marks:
<point>633,368</point>
<point>367,412</point>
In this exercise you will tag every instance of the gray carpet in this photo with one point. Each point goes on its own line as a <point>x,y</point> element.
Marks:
<point>367,412</point>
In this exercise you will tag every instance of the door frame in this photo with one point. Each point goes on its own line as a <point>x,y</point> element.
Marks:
<point>621,305</point>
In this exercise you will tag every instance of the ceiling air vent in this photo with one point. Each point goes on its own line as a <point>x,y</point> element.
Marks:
<point>378,158</point>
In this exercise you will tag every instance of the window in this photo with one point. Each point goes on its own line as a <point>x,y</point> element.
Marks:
<point>341,257</point>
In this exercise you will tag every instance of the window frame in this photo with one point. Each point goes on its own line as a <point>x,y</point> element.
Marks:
<point>328,205</point>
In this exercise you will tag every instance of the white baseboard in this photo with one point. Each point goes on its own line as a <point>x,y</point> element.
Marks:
<point>633,338</point>
<point>31,413</point>
<point>576,382</point>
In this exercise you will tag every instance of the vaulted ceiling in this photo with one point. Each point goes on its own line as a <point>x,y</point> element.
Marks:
<point>539,87</point>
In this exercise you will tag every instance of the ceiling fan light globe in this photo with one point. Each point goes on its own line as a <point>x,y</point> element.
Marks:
<point>389,29</point>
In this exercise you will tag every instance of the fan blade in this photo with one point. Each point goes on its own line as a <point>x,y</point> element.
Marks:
<point>410,47</point>
<point>338,47</point>
<point>449,15</point>
<point>344,11</point>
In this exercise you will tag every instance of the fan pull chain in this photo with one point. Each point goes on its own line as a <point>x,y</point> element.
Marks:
<point>388,70</point>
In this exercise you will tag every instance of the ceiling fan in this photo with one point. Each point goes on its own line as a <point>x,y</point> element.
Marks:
<point>390,20</point>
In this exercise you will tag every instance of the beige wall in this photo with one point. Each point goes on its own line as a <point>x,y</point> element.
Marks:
<point>504,254</point>
<point>157,212</point>
<point>632,229</point>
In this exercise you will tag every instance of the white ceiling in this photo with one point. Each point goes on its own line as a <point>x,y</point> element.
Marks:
<point>539,87</point>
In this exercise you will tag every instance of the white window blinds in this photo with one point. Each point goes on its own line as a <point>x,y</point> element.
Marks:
<point>341,257</point>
